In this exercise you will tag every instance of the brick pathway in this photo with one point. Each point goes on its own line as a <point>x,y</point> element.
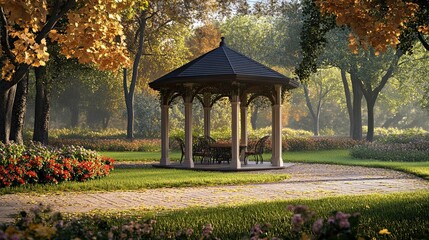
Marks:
<point>308,181</point>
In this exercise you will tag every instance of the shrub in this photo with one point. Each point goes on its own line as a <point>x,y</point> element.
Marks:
<point>74,133</point>
<point>40,164</point>
<point>405,152</point>
<point>318,143</point>
<point>395,135</point>
<point>143,145</point>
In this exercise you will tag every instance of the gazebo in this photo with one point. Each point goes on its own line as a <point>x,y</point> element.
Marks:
<point>219,73</point>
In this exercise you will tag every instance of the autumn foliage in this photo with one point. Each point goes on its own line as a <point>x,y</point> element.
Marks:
<point>89,30</point>
<point>373,23</point>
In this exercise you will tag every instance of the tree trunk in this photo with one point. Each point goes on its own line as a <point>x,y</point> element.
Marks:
<point>129,94</point>
<point>129,107</point>
<point>395,119</point>
<point>370,103</point>
<point>7,98</point>
<point>74,116</point>
<point>106,120</point>
<point>357,108</point>
<point>314,116</point>
<point>254,116</point>
<point>372,95</point>
<point>42,107</point>
<point>348,100</point>
<point>19,110</point>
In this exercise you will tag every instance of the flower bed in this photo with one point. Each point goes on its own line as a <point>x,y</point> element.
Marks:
<point>405,152</point>
<point>42,223</point>
<point>35,163</point>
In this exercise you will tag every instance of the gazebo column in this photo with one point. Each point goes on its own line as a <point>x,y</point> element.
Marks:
<point>207,110</point>
<point>273,130</point>
<point>277,159</point>
<point>243,117</point>
<point>235,161</point>
<point>165,144</point>
<point>188,161</point>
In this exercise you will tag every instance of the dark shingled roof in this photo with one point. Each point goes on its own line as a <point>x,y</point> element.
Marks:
<point>221,65</point>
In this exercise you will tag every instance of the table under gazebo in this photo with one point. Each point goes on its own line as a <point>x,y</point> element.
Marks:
<point>222,72</point>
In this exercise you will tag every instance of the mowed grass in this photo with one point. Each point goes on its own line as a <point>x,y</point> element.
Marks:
<point>342,157</point>
<point>403,214</point>
<point>149,178</point>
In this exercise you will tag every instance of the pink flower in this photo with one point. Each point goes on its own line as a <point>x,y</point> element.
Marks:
<point>344,224</point>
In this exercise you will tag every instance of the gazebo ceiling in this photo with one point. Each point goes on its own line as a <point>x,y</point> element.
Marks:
<point>223,67</point>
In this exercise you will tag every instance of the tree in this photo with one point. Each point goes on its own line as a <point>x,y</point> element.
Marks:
<point>81,90</point>
<point>380,23</point>
<point>249,34</point>
<point>363,77</point>
<point>148,20</point>
<point>204,39</point>
<point>321,86</point>
<point>369,72</point>
<point>89,31</point>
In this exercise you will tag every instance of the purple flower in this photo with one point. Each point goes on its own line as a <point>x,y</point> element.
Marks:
<point>331,220</point>
<point>207,230</point>
<point>317,226</point>
<point>297,222</point>
<point>342,216</point>
<point>189,232</point>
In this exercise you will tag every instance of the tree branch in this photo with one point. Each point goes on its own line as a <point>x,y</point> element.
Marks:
<point>5,37</point>
<point>423,41</point>
<point>58,12</point>
<point>307,100</point>
<point>389,72</point>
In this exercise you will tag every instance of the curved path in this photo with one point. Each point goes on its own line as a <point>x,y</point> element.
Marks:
<point>308,181</point>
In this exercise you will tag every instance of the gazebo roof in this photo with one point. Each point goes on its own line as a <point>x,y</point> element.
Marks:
<point>223,65</point>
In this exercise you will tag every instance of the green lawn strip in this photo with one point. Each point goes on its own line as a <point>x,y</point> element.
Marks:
<point>403,214</point>
<point>330,156</point>
<point>342,157</point>
<point>149,178</point>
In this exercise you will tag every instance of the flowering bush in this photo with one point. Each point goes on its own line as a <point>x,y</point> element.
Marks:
<point>41,223</point>
<point>40,164</point>
<point>143,145</point>
<point>406,152</point>
<point>318,143</point>
<point>338,226</point>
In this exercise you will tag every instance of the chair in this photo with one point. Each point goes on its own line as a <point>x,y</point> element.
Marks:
<point>182,147</point>
<point>257,151</point>
<point>201,149</point>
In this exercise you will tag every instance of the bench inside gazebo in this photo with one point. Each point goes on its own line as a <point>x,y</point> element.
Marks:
<point>223,72</point>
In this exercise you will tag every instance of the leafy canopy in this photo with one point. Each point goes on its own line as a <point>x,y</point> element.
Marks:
<point>89,30</point>
<point>376,23</point>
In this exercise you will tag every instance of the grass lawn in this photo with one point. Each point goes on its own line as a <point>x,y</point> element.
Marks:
<point>342,157</point>
<point>404,215</point>
<point>145,178</point>
<point>332,157</point>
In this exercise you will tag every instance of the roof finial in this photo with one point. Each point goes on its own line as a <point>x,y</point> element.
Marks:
<point>222,42</point>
